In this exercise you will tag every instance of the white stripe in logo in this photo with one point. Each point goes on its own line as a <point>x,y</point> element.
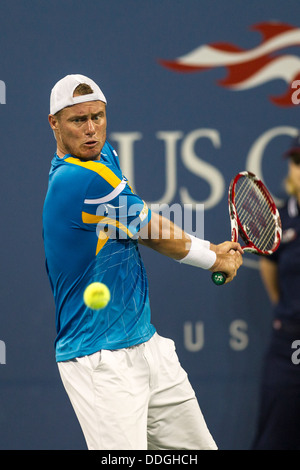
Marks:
<point>109,196</point>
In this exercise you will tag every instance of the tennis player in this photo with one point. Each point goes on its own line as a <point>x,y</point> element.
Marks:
<point>278,420</point>
<point>123,379</point>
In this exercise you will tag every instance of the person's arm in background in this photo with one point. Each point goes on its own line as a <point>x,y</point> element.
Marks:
<point>170,240</point>
<point>269,275</point>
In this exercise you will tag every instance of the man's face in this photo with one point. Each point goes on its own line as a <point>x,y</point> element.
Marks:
<point>80,130</point>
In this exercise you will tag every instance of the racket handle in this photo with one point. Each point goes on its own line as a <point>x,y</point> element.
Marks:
<point>219,278</point>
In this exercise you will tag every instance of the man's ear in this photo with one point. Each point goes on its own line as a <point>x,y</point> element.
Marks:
<point>53,121</point>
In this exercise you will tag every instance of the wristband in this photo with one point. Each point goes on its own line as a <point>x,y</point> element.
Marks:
<point>200,254</point>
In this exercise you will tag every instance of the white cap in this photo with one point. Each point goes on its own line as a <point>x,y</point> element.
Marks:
<point>62,92</point>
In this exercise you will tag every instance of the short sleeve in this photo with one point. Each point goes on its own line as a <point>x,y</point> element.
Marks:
<point>117,210</point>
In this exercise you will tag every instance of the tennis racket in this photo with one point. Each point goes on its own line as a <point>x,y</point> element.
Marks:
<point>254,216</point>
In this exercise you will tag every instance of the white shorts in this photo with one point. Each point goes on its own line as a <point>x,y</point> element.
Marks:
<point>136,398</point>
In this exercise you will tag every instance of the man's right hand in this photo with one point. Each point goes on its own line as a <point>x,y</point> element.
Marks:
<point>229,259</point>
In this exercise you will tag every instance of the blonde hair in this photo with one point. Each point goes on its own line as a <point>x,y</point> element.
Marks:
<point>81,89</point>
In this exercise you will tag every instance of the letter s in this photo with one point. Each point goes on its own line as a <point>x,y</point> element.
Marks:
<point>239,338</point>
<point>201,168</point>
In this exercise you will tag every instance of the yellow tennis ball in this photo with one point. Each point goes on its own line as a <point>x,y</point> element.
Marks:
<point>96,295</point>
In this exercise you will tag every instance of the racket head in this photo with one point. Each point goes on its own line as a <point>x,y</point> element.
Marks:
<point>253,214</point>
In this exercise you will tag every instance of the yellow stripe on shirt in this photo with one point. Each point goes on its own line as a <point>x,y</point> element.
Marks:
<point>102,239</point>
<point>91,218</point>
<point>99,168</point>
<point>95,219</point>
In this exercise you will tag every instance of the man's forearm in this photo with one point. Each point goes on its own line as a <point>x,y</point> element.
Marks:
<point>165,237</point>
<point>170,240</point>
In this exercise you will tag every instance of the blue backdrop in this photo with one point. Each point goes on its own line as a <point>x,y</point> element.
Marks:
<point>184,120</point>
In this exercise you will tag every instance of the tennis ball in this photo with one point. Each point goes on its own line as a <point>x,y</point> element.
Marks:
<point>96,295</point>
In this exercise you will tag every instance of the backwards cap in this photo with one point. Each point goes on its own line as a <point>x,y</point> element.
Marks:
<point>295,147</point>
<point>62,92</point>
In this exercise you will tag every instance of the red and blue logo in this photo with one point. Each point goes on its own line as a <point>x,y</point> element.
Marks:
<point>249,68</point>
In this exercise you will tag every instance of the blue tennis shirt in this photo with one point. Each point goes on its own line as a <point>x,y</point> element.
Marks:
<point>287,258</point>
<point>91,218</point>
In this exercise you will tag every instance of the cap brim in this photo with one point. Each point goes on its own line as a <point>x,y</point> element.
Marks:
<point>292,151</point>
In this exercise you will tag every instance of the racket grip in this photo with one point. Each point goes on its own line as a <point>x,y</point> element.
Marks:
<point>219,278</point>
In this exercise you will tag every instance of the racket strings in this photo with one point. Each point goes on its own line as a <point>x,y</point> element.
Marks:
<point>254,213</point>
<point>257,218</point>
